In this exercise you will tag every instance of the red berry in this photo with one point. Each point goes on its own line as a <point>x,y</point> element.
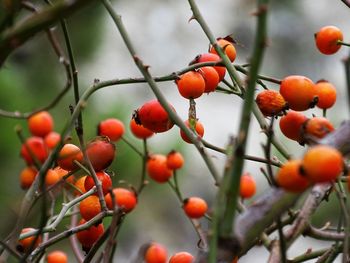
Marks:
<point>211,78</point>
<point>124,198</point>
<point>101,153</point>
<point>182,257</point>
<point>40,124</point>
<point>327,39</point>
<point>103,177</point>
<point>209,57</point>
<point>156,253</point>
<point>157,168</point>
<point>291,125</point>
<point>68,154</point>
<point>112,128</point>
<point>247,186</point>
<point>88,237</point>
<point>34,146</point>
<point>195,207</point>
<point>191,85</point>
<point>139,131</point>
<point>199,130</point>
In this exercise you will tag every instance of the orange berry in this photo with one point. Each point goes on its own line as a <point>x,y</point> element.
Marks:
<point>270,102</point>
<point>103,177</point>
<point>88,237</point>
<point>52,139</point>
<point>52,177</point>
<point>40,124</point>
<point>318,127</point>
<point>100,152</point>
<point>199,130</point>
<point>298,91</point>
<point>124,198</point>
<point>327,39</point>
<point>67,155</point>
<point>139,131</point>
<point>211,78</point>
<point>228,48</point>
<point>157,168</point>
<point>290,178</point>
<point>322,163</point>
<point>90,207</point>
<point>79,184</point>
<point>291,125</point>
<point>191,84</point>
<point>247,187</point>
<point>209,57</point>
<point>112,128</point>
<point>174,160</point>
<point>36,147</point>
<point>57,256</point>
<point>182,257</point>
<point>195,207</point>
<point>26,243</point>
<point>61,172</point>
<point>326,93</point>
<point>27,177</point>
<point>156,253</point>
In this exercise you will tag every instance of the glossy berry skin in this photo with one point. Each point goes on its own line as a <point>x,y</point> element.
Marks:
<point>80,184</point>
<point>40,124</point>
<point>37,147</point>
<point>88,237</point>
<point>318,127</point>
<point>326,39</point>
<point>291,125</point>
<point>182,257</point>
<point>52,139</point>
<point>322,163</point>
<point>89,207</point>
<point>67,155</point>
<point>52,177</point>
<point>174,160</point>
<point>103,177</point>
<point>139,131</point>
<point>157,168</point>
<point>112,128</point>
<point>298,91</point>
<point>191,84</point>
<point>228,48</point>
<point>326,93</point>
<point>153,117</point>
<point>270,102</point>
<point>195,207</point>
<point>62,173</point>
<point>26,243</point>
<point>247,187</point>
<point>57,256</point>
<point>27,177</point>
<point>199,130</point>
<point>156,253</point>
<point>290,178</point>
<point>211,78</point>
<point>209,57</point>
<point>123,198</point>
<point>101,153</point>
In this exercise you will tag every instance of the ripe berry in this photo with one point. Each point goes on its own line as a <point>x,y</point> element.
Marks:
<point>90,207</point>
<point>26,243</point>
<point>247,187</point>
<point>174,160</point>
<point>153,116</point>
<point>182,257</point>
<point>27,177</point>
<point>139,131</point>
<point>157,168</point>
<point>36,147</point>
<point>80,185</point>
<point>112,128</point>
<point>124,198</point>
<point>199,130</point>
<point>290,178</point>
<point>211,78</point>
<point>298,91</point>
<point>195,207</point>
<point>228,48</point>
<point>291,125</point>
<point>100,152</point>
<point>270,102</point>
<point>209,57</point>
<point>88,237</point>
<point>62,173</point>
<point>327,39</point>
<point>40,124</point>
<point>57,256</point>
<point>322,163</point>
<point>156,253</point>
<point>67,155</point>
<point>103,177</point>
<point>318,127</point>
<point>326,93</point>
<point>52,139</point>
<point>191,84</point>
<point>52,177</point>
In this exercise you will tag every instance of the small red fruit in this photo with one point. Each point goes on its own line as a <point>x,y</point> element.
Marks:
<point>318,127</point>
<point>26,243</point>
<point>270,102</point>
<point>80,185</point>
<point>103,177</point>
<point>34,146</point>
<point>211,78</point>
<point>209,57</point>
<point>124,198</point>
<point>40,124</point>
<point>199,130</point>
<point>27,176</point>
<point>228,48</point>
<point>327,39</point>
<point>57,256</point>
<point>291,125</point>
<point>326,93</point>
<point>195,207</point>
<point>68,154</point>
<point>88,237</point>
<point>90,207</point>
<point>174,160</point>
<point>52,139</point>
<point>139,131</point>
<point>157,168</point>
<point>112,128</point>
<point>156,253</point>
<point>247,187</point>
<point>100,152</point>
<point>191,84</point>
<point>52,177</point>
<point>182,257</point>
